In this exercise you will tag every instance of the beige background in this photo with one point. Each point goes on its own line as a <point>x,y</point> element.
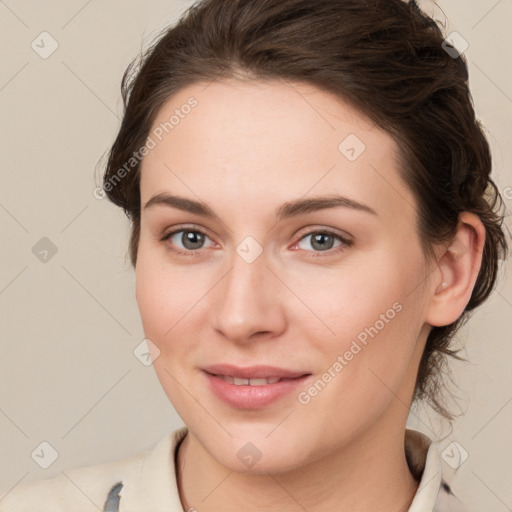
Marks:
<point>68,374</point>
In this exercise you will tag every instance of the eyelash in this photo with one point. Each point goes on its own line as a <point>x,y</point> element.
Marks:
<point>329,252</point>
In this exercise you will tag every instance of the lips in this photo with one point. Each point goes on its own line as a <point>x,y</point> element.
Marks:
<point>252,387</point>
<point>253,372</point>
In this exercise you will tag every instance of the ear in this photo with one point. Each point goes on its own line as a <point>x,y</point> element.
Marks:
<point>458,265</point>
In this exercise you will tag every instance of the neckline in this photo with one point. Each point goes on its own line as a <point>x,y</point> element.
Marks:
<point>421,454</point>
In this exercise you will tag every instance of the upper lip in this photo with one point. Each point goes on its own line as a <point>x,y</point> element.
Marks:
<point>253,372</point>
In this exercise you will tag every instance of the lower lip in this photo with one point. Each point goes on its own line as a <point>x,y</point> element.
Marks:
<point>253,397</point>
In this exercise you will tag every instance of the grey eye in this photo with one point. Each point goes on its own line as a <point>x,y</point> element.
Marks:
<point>321,241</point>
<point>189,239</point>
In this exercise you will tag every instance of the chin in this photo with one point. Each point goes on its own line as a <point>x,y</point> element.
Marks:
<point>257,454</point>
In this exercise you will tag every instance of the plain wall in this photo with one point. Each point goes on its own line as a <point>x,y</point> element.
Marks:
<point>69,326</point>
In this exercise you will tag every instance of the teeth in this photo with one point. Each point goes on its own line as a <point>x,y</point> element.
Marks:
<point>249,382</point>
<point>259,382</point>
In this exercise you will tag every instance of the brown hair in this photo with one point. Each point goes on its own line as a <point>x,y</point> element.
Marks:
<point>384,57</point>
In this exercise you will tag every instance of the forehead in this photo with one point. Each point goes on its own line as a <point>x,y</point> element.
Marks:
<point>269,140</point>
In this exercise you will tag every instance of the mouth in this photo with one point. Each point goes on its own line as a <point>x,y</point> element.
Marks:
<point>237,381</point>
<point>252,387</point>
<point>253,372</point>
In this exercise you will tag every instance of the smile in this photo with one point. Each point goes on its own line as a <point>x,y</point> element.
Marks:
<point>248,382</point>
<point>252,391</point>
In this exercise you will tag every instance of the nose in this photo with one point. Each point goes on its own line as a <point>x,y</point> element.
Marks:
<point>248,303</point>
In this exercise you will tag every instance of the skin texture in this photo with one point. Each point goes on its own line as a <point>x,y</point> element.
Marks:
<point>244,150</point>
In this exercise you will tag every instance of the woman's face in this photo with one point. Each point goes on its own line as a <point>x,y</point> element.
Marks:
<point>275,275</point>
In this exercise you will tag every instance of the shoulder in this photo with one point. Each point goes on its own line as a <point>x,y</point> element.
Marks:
<point>82,489</point>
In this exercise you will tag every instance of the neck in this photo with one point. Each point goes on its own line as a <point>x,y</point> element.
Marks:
<point>370,473</point>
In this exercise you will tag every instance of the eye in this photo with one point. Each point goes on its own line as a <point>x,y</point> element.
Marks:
<point>324,240</point>
<point>191,240</point>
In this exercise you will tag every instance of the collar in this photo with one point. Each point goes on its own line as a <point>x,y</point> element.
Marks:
<point>154,487</point>
<point>425,465</point>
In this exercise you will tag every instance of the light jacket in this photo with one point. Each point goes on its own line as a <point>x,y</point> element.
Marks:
<point>146,482</point>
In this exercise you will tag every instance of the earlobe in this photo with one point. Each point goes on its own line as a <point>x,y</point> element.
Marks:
<point>458,265</point>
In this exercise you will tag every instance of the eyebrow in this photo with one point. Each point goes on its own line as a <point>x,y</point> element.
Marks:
<point>286,210</point>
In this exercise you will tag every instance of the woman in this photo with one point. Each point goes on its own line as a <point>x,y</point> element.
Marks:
<point>313,218</point>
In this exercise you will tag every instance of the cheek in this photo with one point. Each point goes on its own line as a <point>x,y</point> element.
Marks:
<point>346,301</point>
<point>369,314</point>
<point>168,296</point>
